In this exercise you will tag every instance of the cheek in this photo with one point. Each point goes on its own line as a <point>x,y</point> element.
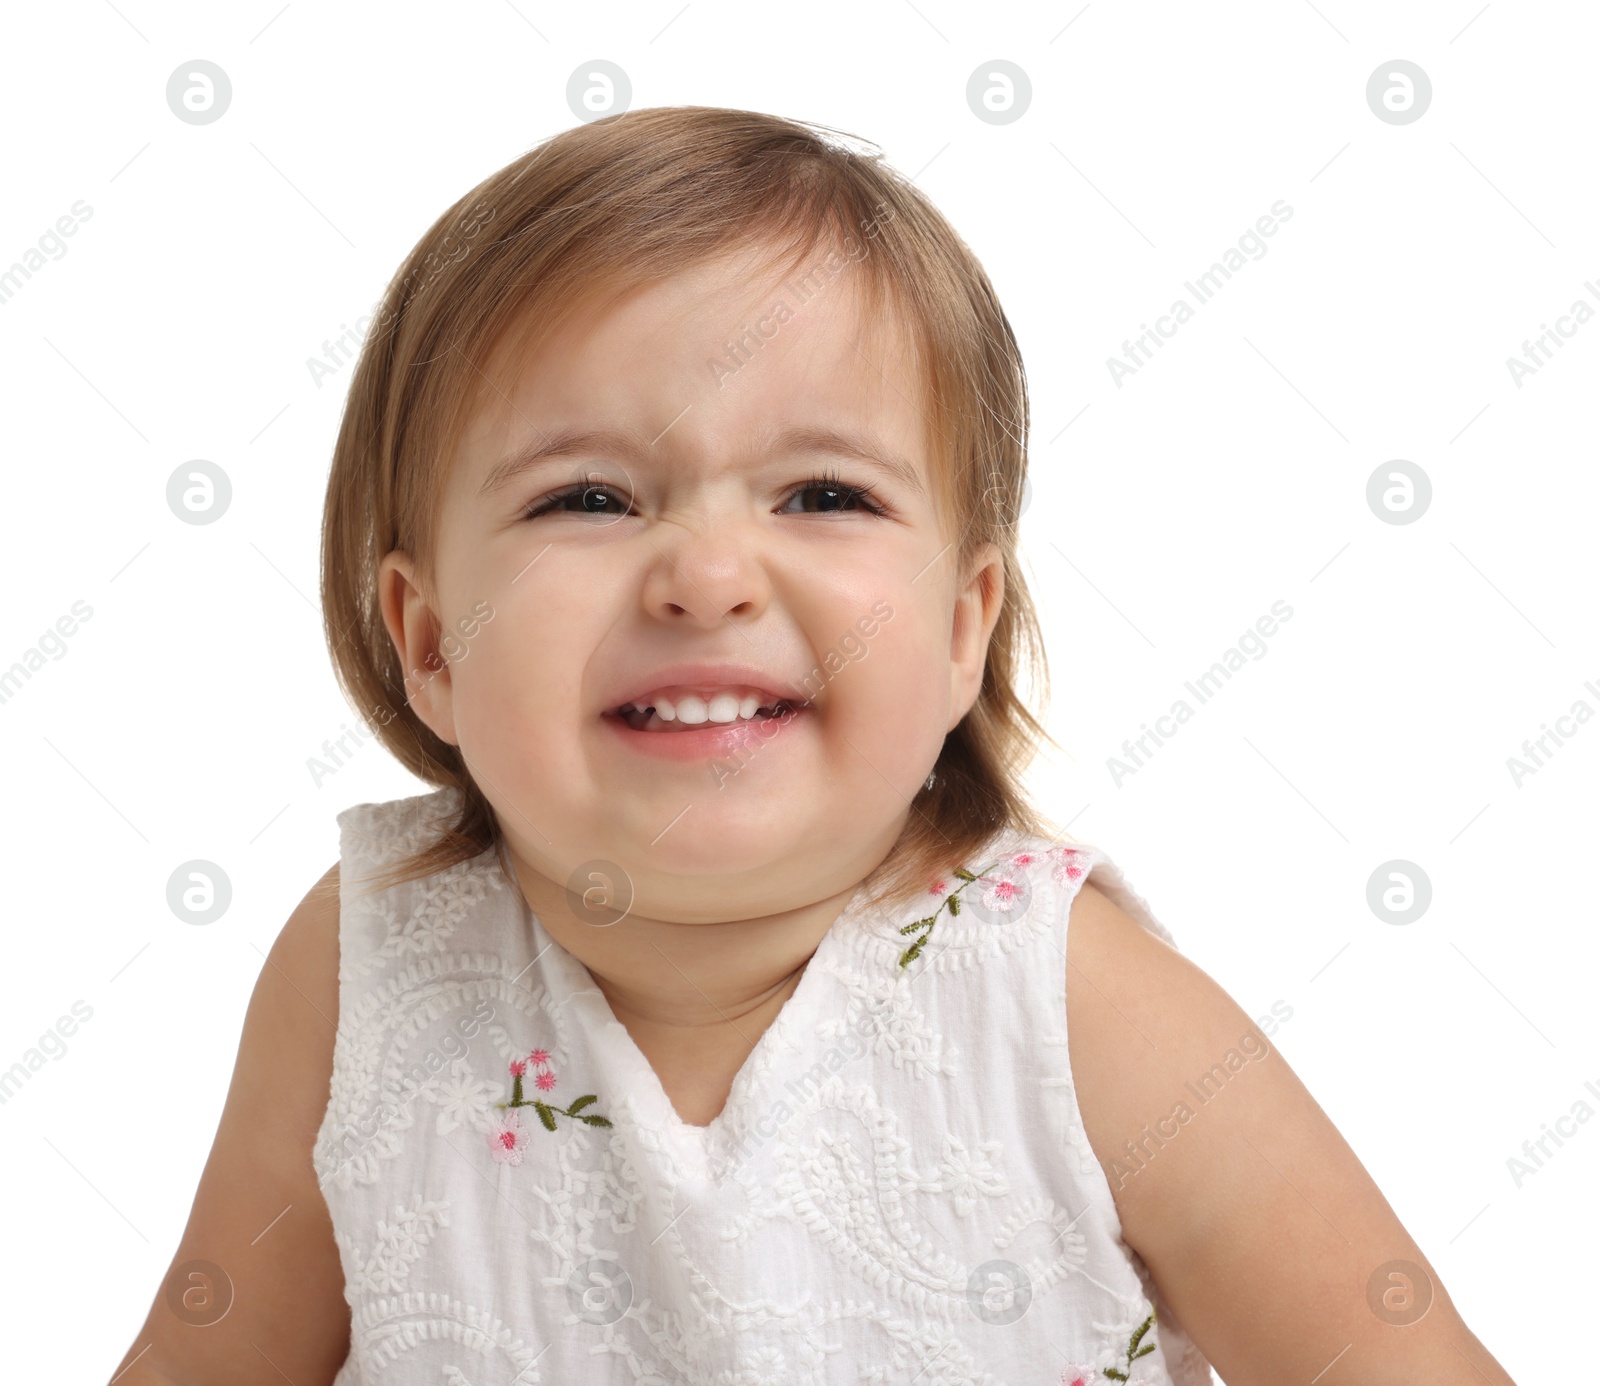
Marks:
<point>518,683</point>
<point>896,691</point>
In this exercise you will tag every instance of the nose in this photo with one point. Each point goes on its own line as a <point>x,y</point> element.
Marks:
<point>705,575</point>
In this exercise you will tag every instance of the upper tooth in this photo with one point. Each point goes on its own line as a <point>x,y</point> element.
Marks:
<point>723,707</point>
<point>727,705</point>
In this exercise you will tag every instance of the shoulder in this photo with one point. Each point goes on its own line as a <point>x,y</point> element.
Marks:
<point>317,913</point>
<point>1142,1020</point>
<point>1254,1215</point>
<point>306,951</point>
<point>294,1013</point>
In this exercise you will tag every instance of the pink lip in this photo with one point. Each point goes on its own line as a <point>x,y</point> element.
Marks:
<point>712,741</point>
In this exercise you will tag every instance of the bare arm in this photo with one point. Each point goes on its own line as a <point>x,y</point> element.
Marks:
<point>259,1215</point>
<point>1264,1232</point>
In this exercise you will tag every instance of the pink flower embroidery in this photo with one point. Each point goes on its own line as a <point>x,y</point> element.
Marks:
<point>938,888</point>
<point>507,1140</point>
<point>1002,894</point>
<point>506,1143</point>
<point>1079,1376</point>
<point>1065,867</point>
<point>1022,859</point>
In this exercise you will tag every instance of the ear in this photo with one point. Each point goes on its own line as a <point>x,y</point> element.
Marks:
<point>976,611</point>
<point>414,628</point>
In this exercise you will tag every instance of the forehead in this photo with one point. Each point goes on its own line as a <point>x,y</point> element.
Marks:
<point>708,360</point>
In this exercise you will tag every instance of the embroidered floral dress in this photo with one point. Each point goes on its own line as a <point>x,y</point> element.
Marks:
<point>898,1189</point>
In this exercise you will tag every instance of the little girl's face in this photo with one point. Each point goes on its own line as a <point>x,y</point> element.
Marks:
<point>666,546</point>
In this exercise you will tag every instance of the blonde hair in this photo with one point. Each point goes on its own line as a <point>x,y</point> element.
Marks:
<point>622,202</point>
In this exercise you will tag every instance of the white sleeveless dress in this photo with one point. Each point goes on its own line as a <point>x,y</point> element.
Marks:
<point>898,1190</point>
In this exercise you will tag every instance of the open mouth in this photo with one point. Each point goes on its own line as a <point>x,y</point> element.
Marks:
<point>692,713</point>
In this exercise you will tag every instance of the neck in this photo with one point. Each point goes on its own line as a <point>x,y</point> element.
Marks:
<point>664,976</point>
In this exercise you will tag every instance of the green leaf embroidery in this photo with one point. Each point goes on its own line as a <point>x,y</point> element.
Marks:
<point>549,1111</point>
<point>1133,1351</point>
<point>950,902</point>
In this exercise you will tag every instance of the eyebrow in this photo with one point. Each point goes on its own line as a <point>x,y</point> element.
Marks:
<point>800,439</point>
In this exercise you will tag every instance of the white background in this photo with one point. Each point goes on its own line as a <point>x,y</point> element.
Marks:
<point>1168,514</point>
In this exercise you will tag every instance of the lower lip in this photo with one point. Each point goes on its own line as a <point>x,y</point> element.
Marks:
<point>712,741</point>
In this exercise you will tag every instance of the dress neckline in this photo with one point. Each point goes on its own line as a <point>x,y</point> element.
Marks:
<point>620,1056</point>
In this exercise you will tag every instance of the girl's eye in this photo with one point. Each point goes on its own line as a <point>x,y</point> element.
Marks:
<point>834,495</point>
<point>831,495</point>
<point>591,500</point>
